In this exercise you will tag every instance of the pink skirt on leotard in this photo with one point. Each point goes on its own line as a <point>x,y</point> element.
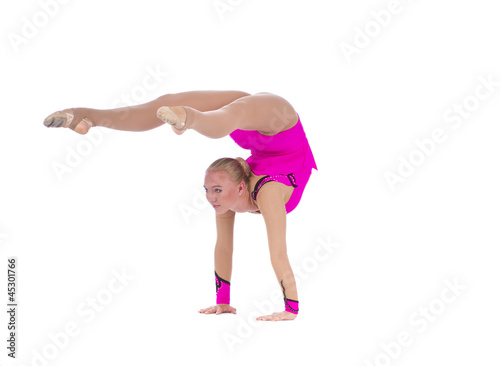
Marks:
<point>285,157</point>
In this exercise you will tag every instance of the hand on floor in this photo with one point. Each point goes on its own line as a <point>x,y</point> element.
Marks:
<point>284,315</point>
<point>218,309</point>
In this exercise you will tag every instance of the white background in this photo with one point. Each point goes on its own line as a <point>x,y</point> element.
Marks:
<point>133,205</point>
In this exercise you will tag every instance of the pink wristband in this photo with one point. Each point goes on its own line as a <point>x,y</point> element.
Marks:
<point>292,306</point>
<point>222,290</point>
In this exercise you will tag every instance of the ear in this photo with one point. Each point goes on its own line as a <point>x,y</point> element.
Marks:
<point>241,187</point>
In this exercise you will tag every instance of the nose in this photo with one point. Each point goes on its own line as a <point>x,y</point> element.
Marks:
<point>211,198</point>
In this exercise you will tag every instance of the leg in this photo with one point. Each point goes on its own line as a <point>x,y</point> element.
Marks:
<point>263,112</point>
<point>140,117</point>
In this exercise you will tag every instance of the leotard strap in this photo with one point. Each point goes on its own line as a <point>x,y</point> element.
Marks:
<point>281,178</point>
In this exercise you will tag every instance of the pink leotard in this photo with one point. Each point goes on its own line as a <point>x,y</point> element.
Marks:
<point>285,157</point>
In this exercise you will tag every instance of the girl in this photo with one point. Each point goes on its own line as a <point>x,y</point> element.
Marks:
<point>270,182</point>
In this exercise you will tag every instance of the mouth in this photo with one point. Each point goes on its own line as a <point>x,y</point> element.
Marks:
<point>216,206</point>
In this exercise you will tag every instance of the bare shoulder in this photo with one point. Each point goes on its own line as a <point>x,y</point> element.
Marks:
<point>271,196</point>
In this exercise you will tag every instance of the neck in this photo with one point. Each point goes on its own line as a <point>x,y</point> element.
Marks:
<point>245,203</point>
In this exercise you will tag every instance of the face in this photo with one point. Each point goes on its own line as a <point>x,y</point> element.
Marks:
<point>222,192</point>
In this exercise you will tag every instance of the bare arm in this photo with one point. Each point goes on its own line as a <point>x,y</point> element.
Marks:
<point>271,201</point>
<point>223,261</point>
<point>223,256</point>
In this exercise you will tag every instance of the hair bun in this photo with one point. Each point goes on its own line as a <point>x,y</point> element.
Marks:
<point>244,164</point>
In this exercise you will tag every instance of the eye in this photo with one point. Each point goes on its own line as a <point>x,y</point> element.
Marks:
<point>217,190</point>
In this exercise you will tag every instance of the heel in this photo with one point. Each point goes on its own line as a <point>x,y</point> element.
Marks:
<point>65,118</point>
<point>174,116</point>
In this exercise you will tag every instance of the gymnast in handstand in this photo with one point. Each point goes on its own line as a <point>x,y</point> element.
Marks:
<point>270,182</point>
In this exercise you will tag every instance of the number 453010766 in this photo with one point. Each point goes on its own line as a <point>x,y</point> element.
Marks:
<point>11,277</point>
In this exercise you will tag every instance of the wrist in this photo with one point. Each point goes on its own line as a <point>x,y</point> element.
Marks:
<point>291,306</point>
<point>222,290</point>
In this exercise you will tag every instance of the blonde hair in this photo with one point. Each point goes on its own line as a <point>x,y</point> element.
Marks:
<point>237,169</point>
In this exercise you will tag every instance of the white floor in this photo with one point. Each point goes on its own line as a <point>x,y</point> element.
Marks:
<point>394,245</point>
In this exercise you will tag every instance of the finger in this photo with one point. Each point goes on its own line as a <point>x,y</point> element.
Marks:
<point>209,310</point>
